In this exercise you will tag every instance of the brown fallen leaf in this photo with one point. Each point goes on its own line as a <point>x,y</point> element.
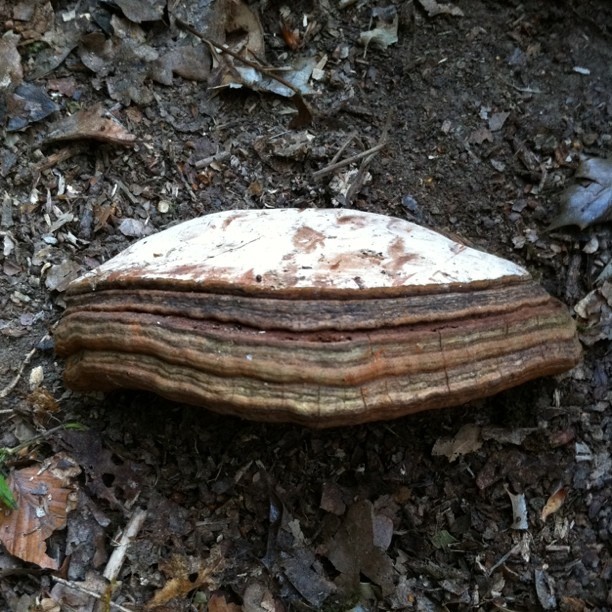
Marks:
<point>554,503</point>
<point>90,124</point>
<point>185,575</point>
<point>44,494</point>
<point>102,466</point>
<point>218,603</point>
<point>466,440</point>
<point>573,604</point>
<point>353,551</point>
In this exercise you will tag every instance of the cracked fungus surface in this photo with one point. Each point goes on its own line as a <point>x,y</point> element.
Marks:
<point>291,249</point>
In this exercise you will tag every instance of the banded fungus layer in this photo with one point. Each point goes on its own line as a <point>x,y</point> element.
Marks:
<point>317,317</point>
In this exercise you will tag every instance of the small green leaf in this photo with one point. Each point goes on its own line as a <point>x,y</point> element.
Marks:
<point>6,495</point>
<point>74,425</point>
<point>443,539</point>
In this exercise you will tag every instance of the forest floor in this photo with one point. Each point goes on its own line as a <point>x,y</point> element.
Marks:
<point>484,117</point>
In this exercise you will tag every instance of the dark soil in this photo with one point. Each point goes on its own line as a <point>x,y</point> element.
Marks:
<point>487,116</point>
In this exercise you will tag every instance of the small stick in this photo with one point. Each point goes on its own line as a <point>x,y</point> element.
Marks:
<point>348,141</point>
<point>213,45</point>
<point>77,587</point>
<point>62,155</point>
<point>185,183</point>
<point>115,562</point>
<point>365,164</point>
<point>513,551</point>
<point>348,161</point>
<point>113,567</point>
<point>15,380</point>
<point>217,157</point>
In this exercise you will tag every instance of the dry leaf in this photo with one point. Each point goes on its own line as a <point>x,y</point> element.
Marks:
<point>545,589</point>
<point>44,495</point>
<point>142,10</point>
<point>590,203</point>
<point>434,8</point>
<point>595,315</point>
<point>353,551</point>
<point>11,72</point>
<point>554,502</point>
<point>91,124</point>
<point>219,603</point>
<point>28,104</point>
<point>519,510</point>
<point>258,598</point>
<point>467,440</point>
<point>505,435</point>
<point>384,34</point>
<point>185,575</point>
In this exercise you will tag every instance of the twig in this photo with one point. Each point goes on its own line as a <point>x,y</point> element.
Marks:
<point>59,156</point>
<point>4,452</point>
<point>217,157</point>
<point>513,551</point>
<point>341,150</point>
<point>15,380</point>
<point>77,587</point>
<point>365,164</point>
<point>214,45</point>
<point>185,182</point>
<point>304,115</point>
<point>115,562</point>
<point>527,90</point>
<point>113,567</point>
<point>347,161</point>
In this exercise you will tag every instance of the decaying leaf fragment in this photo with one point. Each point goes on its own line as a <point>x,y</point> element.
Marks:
<point>545,589</point>
<point>11,72</point>
<point>243,35</point>
<point>554,502</point>
<point>186,574</point>
<point>385,32</point>
<point>288,555</point>
<point>90,124</point>
<point>467,440</point>
<point>141,10</point>
<point>519,510</point>
<point>218,602</point>
<point>356,550</point>
<point>594,312</point>
<point>588,203</point>
<point>44,496</point>
<point>28,104</point>
<point>434,8</point>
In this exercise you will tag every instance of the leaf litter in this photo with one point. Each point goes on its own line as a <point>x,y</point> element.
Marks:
<point>589,202</point>
<point>44,495</point>
<point>357,549</point>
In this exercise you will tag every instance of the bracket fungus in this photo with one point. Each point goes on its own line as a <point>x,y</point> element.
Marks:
<point>318,317</point>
